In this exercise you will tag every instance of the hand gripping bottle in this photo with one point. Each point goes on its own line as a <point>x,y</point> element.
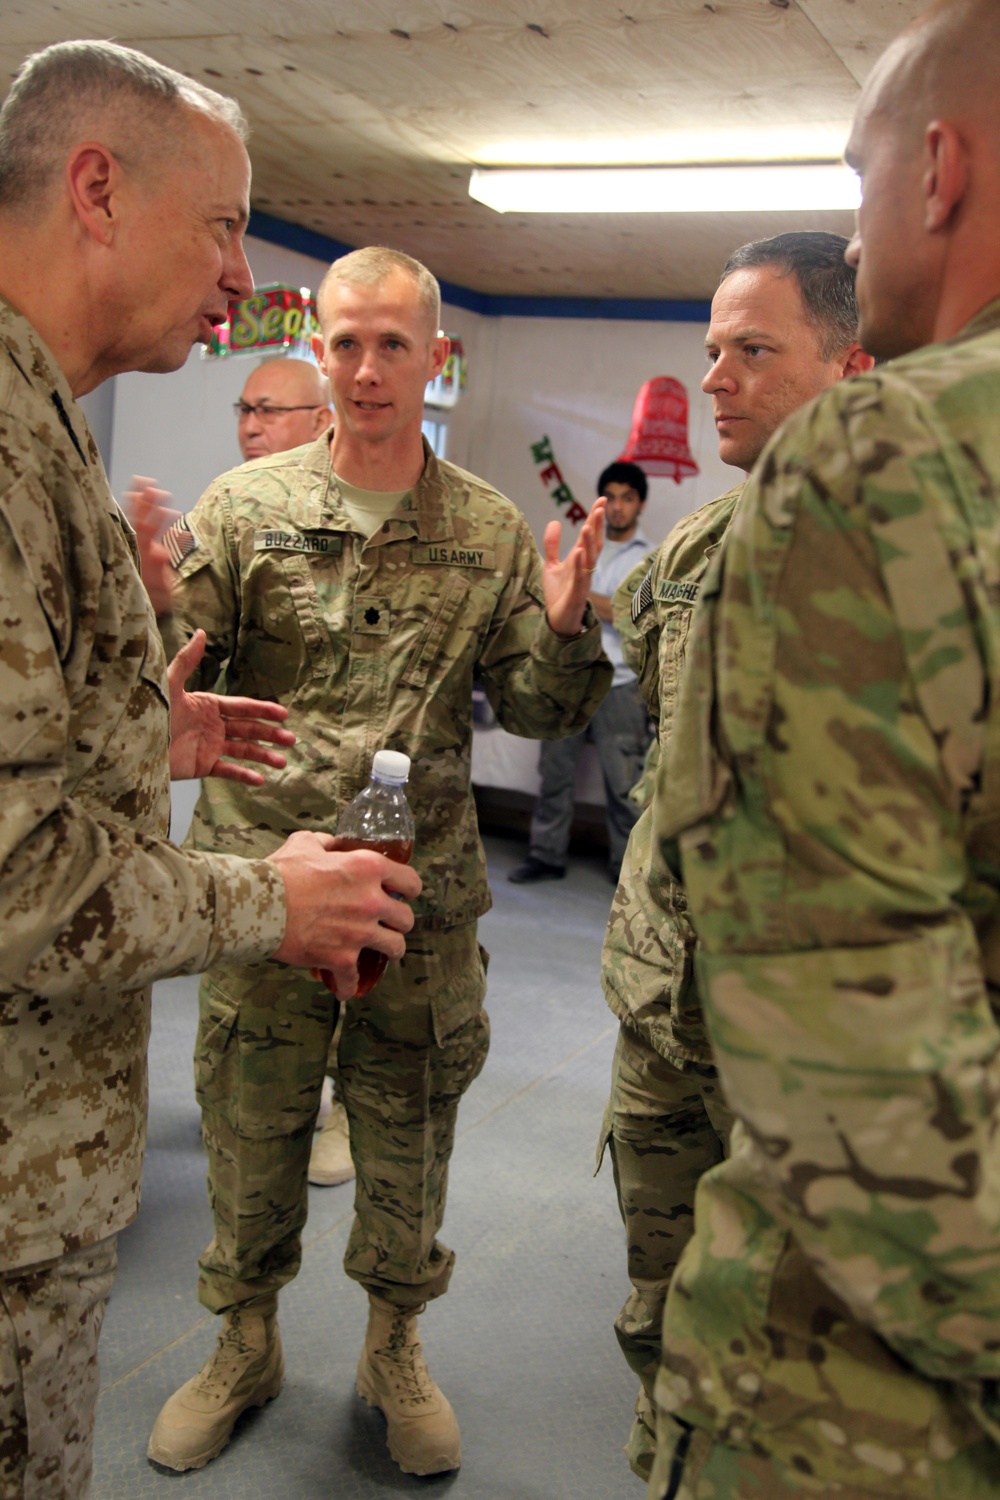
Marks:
<point>379,818</point>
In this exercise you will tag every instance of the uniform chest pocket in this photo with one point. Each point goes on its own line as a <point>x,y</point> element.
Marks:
<point>698,777</point>
<point>285,637</point>
<point>154,669</point>
<point>676,599</point>
<point>439,622</point>
<point>116,754</point>
<point>673,640</point>
<point>309,610</point>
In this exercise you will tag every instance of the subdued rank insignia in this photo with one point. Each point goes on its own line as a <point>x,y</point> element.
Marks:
<point>180,541</point>
<point>642,599</point>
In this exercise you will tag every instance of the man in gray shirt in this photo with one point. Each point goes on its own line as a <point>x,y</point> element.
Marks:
<point>619,729</point>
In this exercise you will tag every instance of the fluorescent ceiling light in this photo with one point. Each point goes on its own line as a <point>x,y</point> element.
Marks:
<point>753,188</point>
<point>808,141</point>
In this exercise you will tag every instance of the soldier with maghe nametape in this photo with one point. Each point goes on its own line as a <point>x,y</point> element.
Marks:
<point>783,328</point>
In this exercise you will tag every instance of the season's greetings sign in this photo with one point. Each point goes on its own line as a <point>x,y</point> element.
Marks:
<point>275,317</point>
<point>445,389</point>
<point>551,476</point>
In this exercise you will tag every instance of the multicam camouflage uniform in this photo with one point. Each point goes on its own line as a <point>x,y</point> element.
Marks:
<point>834,1325</point>
<point>94,904</point>
<point>665,1123</point>
<point>370,643</point>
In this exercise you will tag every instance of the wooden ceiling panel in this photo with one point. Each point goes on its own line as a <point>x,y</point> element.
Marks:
<point>31,24</point>
<point>858,30</point>
<point>276,83</point>
<point>368,114</point>
<point>574,70</point>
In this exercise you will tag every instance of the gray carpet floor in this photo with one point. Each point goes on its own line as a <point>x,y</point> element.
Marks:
<point>523,1343</point>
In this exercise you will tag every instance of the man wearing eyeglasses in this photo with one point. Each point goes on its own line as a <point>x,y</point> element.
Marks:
<point>285,403</point>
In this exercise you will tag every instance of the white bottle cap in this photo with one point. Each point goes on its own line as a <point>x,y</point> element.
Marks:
<point>391,766</point>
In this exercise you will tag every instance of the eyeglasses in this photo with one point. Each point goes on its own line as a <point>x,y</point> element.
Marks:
<point>265,412</point>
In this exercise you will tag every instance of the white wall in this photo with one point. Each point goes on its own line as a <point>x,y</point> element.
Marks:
<point>574,380</point>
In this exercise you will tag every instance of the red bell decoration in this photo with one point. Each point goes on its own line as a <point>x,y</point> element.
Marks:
<point>658,441</point>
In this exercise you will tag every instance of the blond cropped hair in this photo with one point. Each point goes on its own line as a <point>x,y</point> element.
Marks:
<point>372,264</point>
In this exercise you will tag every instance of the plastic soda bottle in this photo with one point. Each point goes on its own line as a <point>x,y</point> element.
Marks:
<point>379,818</point>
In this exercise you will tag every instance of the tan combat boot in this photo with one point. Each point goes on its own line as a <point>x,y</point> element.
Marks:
<point>422,1430</point>
<point>330,1159</point>
<point>245,1369</point>
<point>640,1449</point>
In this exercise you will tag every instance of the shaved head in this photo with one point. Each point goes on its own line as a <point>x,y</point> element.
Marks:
<point>286,380</point>
<point>945,63</point>
<point>295,385</point>
<point>926,143</point>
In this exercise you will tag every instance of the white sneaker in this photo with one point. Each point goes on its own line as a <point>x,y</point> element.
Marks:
<point>330,1161</point>
<point>325,1103</point>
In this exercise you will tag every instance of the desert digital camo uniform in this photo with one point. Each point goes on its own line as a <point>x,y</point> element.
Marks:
<point>94,904</point>
<point>665,1122</point>
<point>834,1324</point>
<point>369,643</point>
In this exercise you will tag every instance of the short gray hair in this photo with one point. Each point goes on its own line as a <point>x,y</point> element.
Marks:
<point>57,94</point>
<point>816,259</point>
<point>372,264</point>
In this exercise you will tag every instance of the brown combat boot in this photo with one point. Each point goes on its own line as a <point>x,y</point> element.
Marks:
<point>422,1429</point>
<point>245,1369</point>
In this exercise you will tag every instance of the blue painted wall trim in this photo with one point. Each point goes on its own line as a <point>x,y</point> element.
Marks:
<point>630,309</point>
<point>294,237</point>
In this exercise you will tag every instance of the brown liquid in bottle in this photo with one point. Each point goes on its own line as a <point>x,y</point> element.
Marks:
<point>371,963</point>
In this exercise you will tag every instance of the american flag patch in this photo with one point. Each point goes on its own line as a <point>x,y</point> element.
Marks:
<point>180,541</point>
<point>642,599</point>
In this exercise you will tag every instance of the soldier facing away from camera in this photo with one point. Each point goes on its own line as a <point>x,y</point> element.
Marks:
<point>831,795</point>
